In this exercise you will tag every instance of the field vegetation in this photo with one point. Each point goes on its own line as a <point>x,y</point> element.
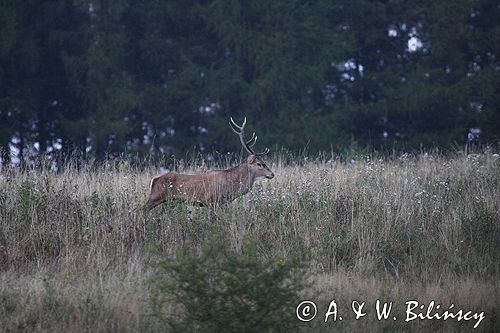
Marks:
<point>78,253</point>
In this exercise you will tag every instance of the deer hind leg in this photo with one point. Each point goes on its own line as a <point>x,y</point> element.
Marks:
<point>154,200</point>
<point>158,192</point>
<point>150,204</point>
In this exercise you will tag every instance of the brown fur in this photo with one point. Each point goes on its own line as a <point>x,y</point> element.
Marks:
<point>211,188</point>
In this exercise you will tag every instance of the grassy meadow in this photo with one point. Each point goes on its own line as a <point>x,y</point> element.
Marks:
<point>78,253</point>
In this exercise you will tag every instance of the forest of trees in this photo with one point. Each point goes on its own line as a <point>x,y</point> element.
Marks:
<point>143,77</point>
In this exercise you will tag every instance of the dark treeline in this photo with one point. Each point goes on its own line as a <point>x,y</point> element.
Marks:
<point>141,77</point>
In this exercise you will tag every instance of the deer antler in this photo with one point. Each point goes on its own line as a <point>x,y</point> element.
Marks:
<point>240,130</point>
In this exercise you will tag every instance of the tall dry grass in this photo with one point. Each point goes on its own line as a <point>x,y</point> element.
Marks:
<point>77,251</point>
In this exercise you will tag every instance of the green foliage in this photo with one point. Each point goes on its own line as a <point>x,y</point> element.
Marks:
<point>164,76</point>
<point>225,291</point>
<point>481,229</point>
<point>29,197</point>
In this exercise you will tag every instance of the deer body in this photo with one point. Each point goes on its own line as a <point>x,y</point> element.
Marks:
<point>212,188</point>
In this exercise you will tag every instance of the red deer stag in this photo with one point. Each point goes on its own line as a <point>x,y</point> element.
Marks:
<point>216,187</point>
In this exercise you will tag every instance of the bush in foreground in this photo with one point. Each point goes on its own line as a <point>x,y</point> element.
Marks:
<point>221,290</point>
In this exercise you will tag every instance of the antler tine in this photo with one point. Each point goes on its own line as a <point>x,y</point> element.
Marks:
<point>242,127</point>
<point>233,125</point>
<point>240,130</point>
<point>254,139</point>
<point>265,152</point>
<point>241,134</point>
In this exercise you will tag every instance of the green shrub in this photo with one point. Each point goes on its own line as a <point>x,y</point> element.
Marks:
<point>224,291</point>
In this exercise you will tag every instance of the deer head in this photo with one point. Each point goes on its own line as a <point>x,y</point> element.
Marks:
<point>256,164</point>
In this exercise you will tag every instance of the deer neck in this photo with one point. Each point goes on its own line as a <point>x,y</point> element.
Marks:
<point>244,176</point>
